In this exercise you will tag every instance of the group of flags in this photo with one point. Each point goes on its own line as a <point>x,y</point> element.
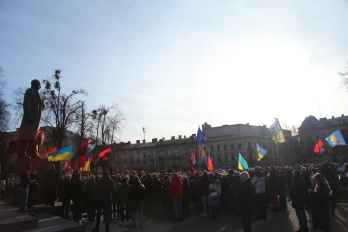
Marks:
<point>82,158</point>
<point>335,139</point>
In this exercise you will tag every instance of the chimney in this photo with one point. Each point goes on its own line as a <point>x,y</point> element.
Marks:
<point>247,124</point>
<point>342,115</point>
<point>184,136</point>
<point>173,138</point>
<point>333,117</point>
<point>144,141</point>
<point>163,138</point>
<point>129,142</point>
<point>179,136</point>
<point>154,140</point>
<point>138,141</point>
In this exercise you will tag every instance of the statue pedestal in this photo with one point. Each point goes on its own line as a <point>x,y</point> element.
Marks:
<point>14,166</point>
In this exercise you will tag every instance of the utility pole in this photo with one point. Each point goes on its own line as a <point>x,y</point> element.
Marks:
<point>144,131</point>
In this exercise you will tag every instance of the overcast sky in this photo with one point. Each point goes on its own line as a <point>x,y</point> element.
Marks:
<point>173,65</point>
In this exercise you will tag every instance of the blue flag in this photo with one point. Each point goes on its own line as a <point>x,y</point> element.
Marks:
<point>200,138</point>
<point>242,164</point>
<point>261,152</point>
<point>336,139</point>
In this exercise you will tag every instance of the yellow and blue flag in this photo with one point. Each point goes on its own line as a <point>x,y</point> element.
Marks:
<point>87,165</point>
<point>201,145</point>
<point>242,164</point>
<point>336,139</point>
<point>276,131</point>
<point>261,152</point>
<point>65,153</point>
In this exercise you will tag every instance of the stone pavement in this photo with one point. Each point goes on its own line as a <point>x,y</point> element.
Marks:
<point>283,221</point>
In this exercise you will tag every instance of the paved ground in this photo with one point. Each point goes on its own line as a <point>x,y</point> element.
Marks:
<point>283,221</point>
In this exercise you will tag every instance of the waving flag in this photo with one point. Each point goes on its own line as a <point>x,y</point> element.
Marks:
<point>336,139</point>
<point>87,165</point>
<point>201,145</point>
<point>190,163</point>
<point>62,154</point>
<point>193,155</point>
<point>66,165</point>
<point>260,152</point>
<point>276,131</point>
<point>242,164</point>
<point>49,152</point>
<point>319,147</point>
<point>210,164</point>
<point>102,155</point>
<point>83,148</point>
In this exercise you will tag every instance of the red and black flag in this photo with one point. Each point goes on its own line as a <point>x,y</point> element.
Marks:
<point>319,147</point>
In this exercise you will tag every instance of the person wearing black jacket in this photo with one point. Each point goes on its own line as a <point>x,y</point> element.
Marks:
<point>203,189</point>
<point>136,201</point>
<point>77,196</point>
<point>297,194</point>
<point>65,195</point>
<point>51,183</point>
<point>273,184</point>
<point>104,191</point>
<point>91,199</point>
<point>23,188</point>
<point>246,200</point>
<point>332,178</point>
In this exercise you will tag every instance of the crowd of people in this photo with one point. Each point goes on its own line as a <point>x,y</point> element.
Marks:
<point>246,194</point>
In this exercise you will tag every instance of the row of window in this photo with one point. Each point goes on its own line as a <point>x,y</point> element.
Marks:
<point>240,146</point>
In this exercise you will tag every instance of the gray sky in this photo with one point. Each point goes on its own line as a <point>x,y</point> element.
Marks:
<point>173,65</point>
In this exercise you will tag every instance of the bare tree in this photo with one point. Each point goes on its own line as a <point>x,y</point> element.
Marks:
<point>344,77</point>
<point>5,115</point>
<point>109,119</point>
<point>60,112</point>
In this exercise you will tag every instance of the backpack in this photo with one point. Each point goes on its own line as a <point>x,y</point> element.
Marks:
<point>18,180</point>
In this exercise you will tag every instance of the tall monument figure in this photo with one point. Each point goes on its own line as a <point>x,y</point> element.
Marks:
<point>32,109</point>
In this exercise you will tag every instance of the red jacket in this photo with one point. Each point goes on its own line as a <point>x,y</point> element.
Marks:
<point>176,189</point>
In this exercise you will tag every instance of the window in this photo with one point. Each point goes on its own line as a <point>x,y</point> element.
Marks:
<point>225,147</point>
<point>250,156</point>
<point>219,159</point>
<point>249,145</point>
<point>138,154</point>
<point>176,153</point>
<point>144,155</point>
<point>240,146</point>
<point>211,148</point>
<point>124,156</point>
<point>183,152</point>
<point>232,146</point>
<point>218,148</point>
<point>232,157</point>
<point>226,159</point>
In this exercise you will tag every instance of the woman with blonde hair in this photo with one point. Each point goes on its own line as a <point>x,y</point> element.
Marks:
<point>321,205</point>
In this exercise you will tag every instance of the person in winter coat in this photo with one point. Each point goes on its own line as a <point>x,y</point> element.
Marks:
<point>91,198</point>
<point>203,189</point>
<point>321,204</point>
<point>65,195</point>
<point>185,197</point>
<point>225,187</point>
<point>273,187</point>
<point>195,191</point>
<point>123,196</point>
<point>176,192</point>
<point>235,193</point>
<point>214,192</point>
<point>259,180</point>
<point>246,200</point>
<point>105,189</point>
<point>306,176</point>
<point>23,188</point>
<point>297,194</point>
<point>136,193</point>
<point>51,183</point>
<point>77,196</point>
<point>332,178</point>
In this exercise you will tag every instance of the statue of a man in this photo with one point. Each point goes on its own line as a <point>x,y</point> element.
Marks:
<point>32,107</point>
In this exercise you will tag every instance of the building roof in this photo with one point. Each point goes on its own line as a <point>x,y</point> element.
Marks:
<point>312,122</point>
<point>236,130</point>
